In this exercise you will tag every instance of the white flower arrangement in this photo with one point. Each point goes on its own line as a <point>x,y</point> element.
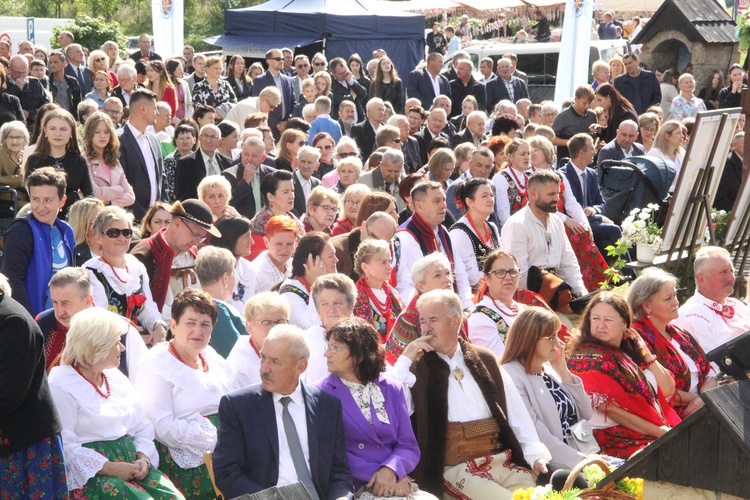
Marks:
<point>640,228</point>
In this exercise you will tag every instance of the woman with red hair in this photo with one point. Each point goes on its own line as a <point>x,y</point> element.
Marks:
<point>274,265</point>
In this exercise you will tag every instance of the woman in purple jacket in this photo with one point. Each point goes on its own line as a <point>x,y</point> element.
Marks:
<point>380,442</point>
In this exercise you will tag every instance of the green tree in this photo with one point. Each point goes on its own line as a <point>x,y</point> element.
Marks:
<point>92,33</point>
<point>13,8</point>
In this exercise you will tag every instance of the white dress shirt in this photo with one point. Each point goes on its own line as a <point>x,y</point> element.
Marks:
<point>317,364</point>
<point>502,203</point>
<point>411,253</point>
<point>533,244</point>
<point>148,157</point>
<point>266,272</point>
<point>244,363</point>
<point>435,81</point>
<point>177,399</point>
<point>306,185</point>
<point>87,417</point>
<point>208,161</point>
<point>287,472</point>
<point>464,250</point>
<point>709,328</point>
<point>246,280</point>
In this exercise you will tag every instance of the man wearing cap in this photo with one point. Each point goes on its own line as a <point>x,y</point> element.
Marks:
<point>169,255</point>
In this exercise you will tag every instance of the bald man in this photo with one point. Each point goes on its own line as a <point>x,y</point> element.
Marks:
<point>623,145</point>
<point>27,88</point>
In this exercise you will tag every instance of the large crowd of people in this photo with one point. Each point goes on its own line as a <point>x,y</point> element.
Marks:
<point>321,271</point>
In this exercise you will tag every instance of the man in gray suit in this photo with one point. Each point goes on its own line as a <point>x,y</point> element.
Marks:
<point>140,153</point>
<point>387,176</point>
<point>623,145</point>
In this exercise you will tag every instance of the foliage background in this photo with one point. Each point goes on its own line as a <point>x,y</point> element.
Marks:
<point>133,17</point>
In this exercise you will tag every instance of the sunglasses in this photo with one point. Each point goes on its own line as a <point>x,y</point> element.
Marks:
<point>99,59</point>
<point>277,59</point>
<point>347,155</point>
<point>319,64</point>
<point>116,233</point>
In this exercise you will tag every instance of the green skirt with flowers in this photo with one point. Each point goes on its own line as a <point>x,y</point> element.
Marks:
<point>155,485</point>
<point>194,483</point>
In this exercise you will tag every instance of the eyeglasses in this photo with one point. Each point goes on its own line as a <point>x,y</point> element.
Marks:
<point>201,237</point>
<point>347,155</point>
<point>353,203</point>
<point>327,147</point>
<point>303,65</point>
<point>116,233</point>
<point>99,59</point>
<point>501,273</point>
<point>18,138</point>
<point>112,112</point>
<point>329,209</point>
<point>334,348</point>
<point>277,59</point>
<point>269,322</point>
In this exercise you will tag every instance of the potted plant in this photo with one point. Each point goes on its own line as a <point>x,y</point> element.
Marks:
<point>640,229</point>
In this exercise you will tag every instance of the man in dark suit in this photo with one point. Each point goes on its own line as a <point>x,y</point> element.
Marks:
<point>465,85</point>
<point>282,431</point>
<point>497,89</point>
<point>144,54</point>
<point>77,68</point>
<point>308,159</point>
<point>126,75</point>
<point>364,132</point>
<point>246,176</point>
<point>474,130</point>
<point>421,83</point>
<point>144,172</point>
<point>583,183</point>
<point>623,145</point>
<point>274,77</point>
<point>344,87</point>
<point>731,178</point>
<point>204,161</point>
<point>436,121</point>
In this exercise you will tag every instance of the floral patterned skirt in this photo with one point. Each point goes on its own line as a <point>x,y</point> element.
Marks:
<point>620,442</point>
<point>36,472</point>
<point>155,485</point>
<point>194,483</point>
<point>590,260</point>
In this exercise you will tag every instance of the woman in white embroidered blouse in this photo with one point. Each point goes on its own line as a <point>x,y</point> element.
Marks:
<point>108,441</point>
<point>180,383</point>
<point>262,312</point>
<point>120,281</point>
<point>491,318</point>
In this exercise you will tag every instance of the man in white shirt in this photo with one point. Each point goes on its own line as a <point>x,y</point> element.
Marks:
<point>459,390</point>
<point>711,315</point>
<point>268,99</point>
<point>282,431</point>
<point>423,234</point>
<point>536,239</point>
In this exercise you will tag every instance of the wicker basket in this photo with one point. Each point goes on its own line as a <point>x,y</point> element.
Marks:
<point>607,493</point>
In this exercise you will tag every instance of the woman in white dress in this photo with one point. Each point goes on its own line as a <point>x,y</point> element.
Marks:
<point>314,257</point>
<point>120,281</point>
<point>107,439</point>
<point>180,383</point>
<point>491,318</point>
<point>472,233</point>
<point>262,312</point>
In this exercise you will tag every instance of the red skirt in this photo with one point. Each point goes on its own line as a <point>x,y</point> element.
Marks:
<point>590,260</point>
<point>621,442</point>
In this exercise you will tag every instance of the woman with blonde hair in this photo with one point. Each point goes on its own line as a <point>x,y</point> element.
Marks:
<point>216,192</point>
<point>648,124</point>
<point>387,85</point>
<point>322,84</point>
<point>600,72</point>
<point>14,137</point>
<point>616,68</point>
<point>161,84</point>
<point>511,185</point>
<point>102,149</point>
<point>378,303</point>
<point>352,202</point>
<point>254,71</point>
<point>686,104</point>
<point>668,147</point>
<point>440,166</point>
<point>99,61</point>
<point>215,91</point>
<point>322,206</point>
<point>113,52</point>
<point>108,441</point>
<point>101,90</point>
<point>81,218</point>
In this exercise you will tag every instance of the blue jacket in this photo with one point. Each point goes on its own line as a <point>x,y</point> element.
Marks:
<point>324,123</point>
<point>594,197</point>
<point>28,260</point>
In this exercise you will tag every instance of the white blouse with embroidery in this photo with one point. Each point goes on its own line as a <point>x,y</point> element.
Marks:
<point>87,417</point>
<point>177,399</point>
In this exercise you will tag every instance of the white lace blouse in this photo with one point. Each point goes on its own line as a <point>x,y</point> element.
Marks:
<point>177,399</point>
<point>87,417</point>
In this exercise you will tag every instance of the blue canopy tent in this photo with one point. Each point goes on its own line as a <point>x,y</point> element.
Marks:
<point>344,27</point>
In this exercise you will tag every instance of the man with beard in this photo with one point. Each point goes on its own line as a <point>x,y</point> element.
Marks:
<point>536,239</point>
<point>347,113</point>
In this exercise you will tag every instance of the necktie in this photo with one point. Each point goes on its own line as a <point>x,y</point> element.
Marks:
<point>583,189</point>
<point>212,167</point>
<point>80,81</point>
<point>295,448</point>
